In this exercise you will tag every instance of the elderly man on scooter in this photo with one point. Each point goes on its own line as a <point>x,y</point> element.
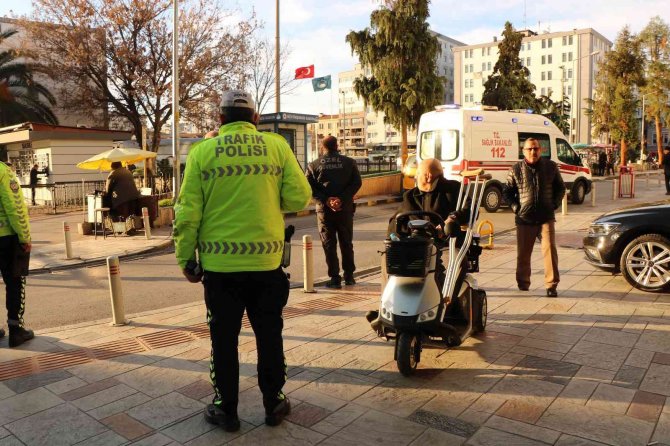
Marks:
<point>432,193</point>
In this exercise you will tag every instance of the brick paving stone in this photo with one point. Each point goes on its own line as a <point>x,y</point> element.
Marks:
<point>197,390</point>
<point>164,410</point>
<point>569,440</point>
<point>661,358</point>
<point>66,385</point>
<point>216,437</point>
<point>611,337</point>
<point>103,397</point>
<point>596,374</point>
<point>553,371</point>
<point>10,441</point>
<point>594,354</point>
<point>595,424</point>
<point>157,439</point>
<point>306,415</point>
<point>5,392</point>
<point>493,437</point>
<point>126,426</point>
<point>657,341</point>
<point>30,382</point>
<point>318,399</point>
<point>657,379</point>
<point>611,398</point>
<point>189,429</point>
<point>542,344</point>
<point>27,403</point>
<point>101,370</point>
<point>3,432</point>
<point>525,430</point>
<point>531,391</point>
<point>89,389</point>
<point>60,425</point>
<point>444,423</point>
<point>337,420</point>
<point>662,432</point>
<point>342,386</point>
<point>578,391</point>
<point>163,377</point>
<point>521,411</point>
<point>629,376</point>
<point>474,416</point>
<point>374,428</point>
<point>487,402</point>
<point>286,434</point>
<point>108,438</point>
<point>399,401</point>
<point>118,406</point>
<point>646,406</point>
<point>435,437</point>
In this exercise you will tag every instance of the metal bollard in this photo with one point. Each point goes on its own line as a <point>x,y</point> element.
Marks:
<point>68,241</point>
<point>116,291</point>
<point>615,189</point>
<point>593,194</point>
<point>147,223</point>
<point>564,204</point>
<point>308,264</point>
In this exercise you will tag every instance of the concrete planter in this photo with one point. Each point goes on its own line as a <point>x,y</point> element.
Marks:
<point>165,216</point>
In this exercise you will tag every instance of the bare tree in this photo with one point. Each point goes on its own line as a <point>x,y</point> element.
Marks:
<point>261,78</point>
<point>118,53</point>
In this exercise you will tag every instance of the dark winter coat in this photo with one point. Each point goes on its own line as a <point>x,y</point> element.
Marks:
<point>333,175</point>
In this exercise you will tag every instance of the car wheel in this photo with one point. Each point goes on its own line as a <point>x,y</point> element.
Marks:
<point>492,198</point>
<point>645,262</point>
<point>578,192</point>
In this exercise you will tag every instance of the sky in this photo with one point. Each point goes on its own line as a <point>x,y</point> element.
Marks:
<point>315,31</point>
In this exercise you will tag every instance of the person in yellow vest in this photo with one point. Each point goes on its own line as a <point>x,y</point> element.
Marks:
<point>14,253</point>
<point>236,186</point>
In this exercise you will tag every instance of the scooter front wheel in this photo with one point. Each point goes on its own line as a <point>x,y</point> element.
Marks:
<point>409,350</point>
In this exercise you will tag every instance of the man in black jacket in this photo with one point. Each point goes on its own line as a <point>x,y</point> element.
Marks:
<point>34,179</point>
<point>535,190</point>
<point>666,168</point>
<point>335,180</point>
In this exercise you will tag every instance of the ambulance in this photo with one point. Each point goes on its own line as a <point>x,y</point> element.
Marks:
<point>483,137</point>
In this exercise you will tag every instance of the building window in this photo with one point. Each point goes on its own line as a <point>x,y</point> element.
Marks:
<point>528,46</point>
<point>548,75</point>
<point>471,53</point>
<point>544,91</point>
<point>569,40</point>
<point>565,40</point>
<point>488,66</point>
<point>549,43</point>
<point>564,57</point>
<point>544,59</point>
<point>467,68</point>
<point>569,90</point>
<point>544,43</point>
<point>549,58</point>
<point>570,56</point>
<point>528,61</point>
<point>488,51</point>
<point>544,76</point>
<point>483,51</point>
<point>569,73</point>
<point>483,66</point>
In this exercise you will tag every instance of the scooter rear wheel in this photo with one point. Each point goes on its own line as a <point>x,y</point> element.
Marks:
<point>482,314</point>
<point>409,349</point>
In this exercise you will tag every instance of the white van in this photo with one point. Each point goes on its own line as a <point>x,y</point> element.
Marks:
<point>483,137</point>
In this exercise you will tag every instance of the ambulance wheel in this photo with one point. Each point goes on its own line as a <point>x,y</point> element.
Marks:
<point>482,314</point>
<point>578,192</point>
<point>409,350</point>
<point>492,199</point>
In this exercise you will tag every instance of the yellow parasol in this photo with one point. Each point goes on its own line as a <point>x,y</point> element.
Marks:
<point>104,160</point>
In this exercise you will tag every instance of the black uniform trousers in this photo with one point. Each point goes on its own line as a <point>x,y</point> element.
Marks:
<point>333,225</point>
<point>666,174</point>
<point>263,294</point>
<point>15,286</point>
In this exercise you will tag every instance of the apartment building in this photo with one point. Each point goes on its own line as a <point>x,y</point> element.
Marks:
<point>365,128</point>
<point>560,62</point>
<point>60,89</point>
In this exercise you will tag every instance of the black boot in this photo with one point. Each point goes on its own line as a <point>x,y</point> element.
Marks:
<point>2,333</point>
<point>228,420</point>
<point>274,415</point>
<point>19,335</point>
<point>334,283</point>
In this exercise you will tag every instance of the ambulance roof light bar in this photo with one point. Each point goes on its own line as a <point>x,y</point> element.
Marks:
<point>447,107</point>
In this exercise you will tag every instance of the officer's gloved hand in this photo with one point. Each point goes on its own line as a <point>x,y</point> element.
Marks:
<point>452,228</point>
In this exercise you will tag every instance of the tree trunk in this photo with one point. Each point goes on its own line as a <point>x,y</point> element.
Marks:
<point>659,141</point>
<point>624,149</point>
<point>403,143</point>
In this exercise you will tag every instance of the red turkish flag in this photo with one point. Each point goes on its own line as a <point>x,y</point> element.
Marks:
<point>304,72</point>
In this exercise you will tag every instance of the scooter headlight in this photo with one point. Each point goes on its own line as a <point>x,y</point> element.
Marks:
<point>387,314</point>
<point>428,315</point>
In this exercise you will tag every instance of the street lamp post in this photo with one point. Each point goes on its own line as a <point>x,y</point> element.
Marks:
<point>576,117</point>
<point>277,67</point>
<point>642,144</point>
<point>176,174</point>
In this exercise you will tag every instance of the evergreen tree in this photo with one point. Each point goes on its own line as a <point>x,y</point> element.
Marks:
<point>615,103</point>
<point>508,87</point>
<point>400,53</point>
<point>654,39</point>
<point>557,111</point>
<point>22,98</point>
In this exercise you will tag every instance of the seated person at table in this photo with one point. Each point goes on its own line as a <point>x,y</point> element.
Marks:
<point>121,192</point>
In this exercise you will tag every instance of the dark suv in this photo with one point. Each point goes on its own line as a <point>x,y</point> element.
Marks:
<point>634,242</point>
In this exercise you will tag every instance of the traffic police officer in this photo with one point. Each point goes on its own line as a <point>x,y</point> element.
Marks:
<point>14,252</point>
<point>236,186</point>
<point>335,180</point>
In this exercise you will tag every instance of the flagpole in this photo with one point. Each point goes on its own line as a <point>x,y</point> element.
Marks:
<point>176,177</point>
<point>277,68</point>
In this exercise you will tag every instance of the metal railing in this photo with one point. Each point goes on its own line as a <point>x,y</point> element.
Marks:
<point>376,166</point>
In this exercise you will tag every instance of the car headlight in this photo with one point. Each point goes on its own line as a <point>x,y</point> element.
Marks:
<point>600,229</point>
<point>428,315</point>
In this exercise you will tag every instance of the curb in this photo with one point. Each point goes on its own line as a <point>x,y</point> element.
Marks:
<point>360,202</point>
<point>99,261</point>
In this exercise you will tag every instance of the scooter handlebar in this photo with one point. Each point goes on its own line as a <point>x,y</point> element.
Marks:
<point>403,218</point>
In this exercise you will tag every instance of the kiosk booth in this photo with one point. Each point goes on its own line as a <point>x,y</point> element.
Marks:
<point>293,127</point>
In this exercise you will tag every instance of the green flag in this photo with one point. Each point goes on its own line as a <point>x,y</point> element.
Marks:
<point>321,83</point>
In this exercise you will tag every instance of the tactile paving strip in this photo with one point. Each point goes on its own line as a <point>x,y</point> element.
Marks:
<point>165,338</point>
